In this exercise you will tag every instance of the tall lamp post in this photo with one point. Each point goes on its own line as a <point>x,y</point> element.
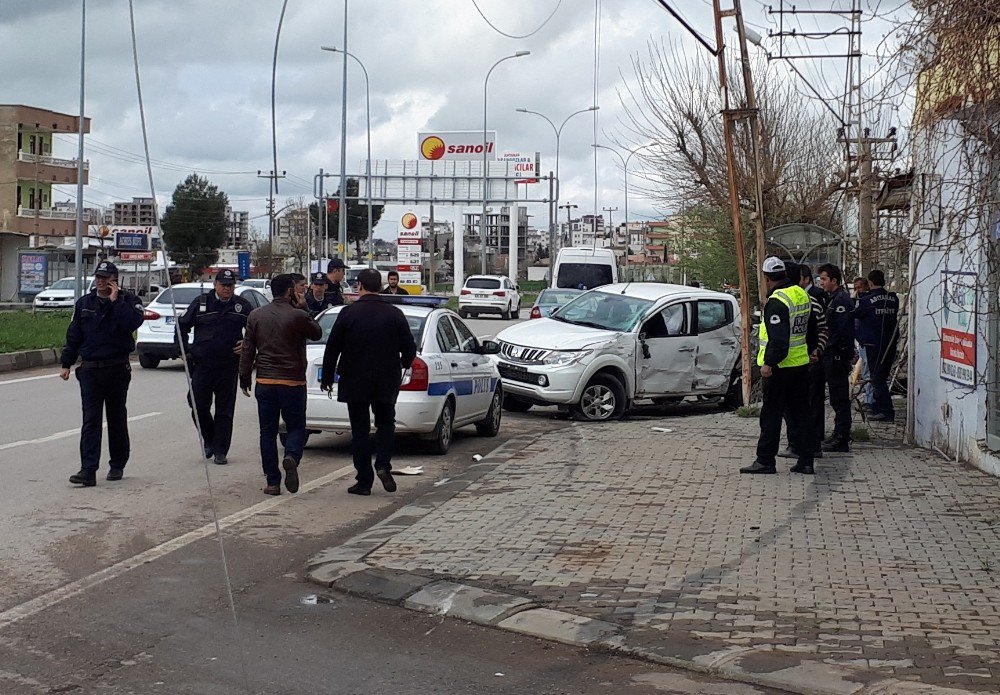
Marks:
<point>368,164</point>
<point>625,161</point>
<point>558,133</point>
<point>482,221</point>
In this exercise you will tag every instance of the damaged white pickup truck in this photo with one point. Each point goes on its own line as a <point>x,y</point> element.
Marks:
<point>620,343</point>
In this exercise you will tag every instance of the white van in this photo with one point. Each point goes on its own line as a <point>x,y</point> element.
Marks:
<point>585,268</point>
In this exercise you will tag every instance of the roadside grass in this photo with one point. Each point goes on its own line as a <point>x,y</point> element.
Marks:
<point>748,411</point>
<point>860,434</point>
<point>23,330</point>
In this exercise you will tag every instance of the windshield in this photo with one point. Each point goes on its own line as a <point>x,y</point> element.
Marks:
<point>326,323</point>
<point>584,276</point>
<point>255,283</point>
<point>180,295</point>
<point>483,283</point>
<point>64,284</point>
<point>557,296</point>
<point>610,312</point>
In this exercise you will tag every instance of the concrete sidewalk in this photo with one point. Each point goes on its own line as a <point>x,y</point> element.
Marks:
<point>879,574</point>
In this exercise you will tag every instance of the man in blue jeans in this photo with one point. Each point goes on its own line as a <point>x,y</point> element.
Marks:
<point>275,344</point>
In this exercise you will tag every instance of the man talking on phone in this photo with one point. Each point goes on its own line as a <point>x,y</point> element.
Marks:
<point>100,334</point>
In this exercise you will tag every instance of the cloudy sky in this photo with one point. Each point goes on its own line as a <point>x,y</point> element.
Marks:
<point>206,71</point>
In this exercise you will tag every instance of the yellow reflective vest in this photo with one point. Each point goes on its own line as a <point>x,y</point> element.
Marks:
<point>799,307</point>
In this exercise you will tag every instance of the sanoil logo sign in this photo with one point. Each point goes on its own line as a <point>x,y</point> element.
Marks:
<point>456,145</point>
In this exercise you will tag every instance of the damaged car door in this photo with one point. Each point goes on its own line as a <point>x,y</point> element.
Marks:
<point>666,348</point>
<point>718,345</point>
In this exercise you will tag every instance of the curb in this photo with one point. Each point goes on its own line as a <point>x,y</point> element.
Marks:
<point>16,361</point>
<point>343,569</point>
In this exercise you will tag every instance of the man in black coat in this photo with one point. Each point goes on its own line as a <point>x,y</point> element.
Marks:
<point>369,346</point>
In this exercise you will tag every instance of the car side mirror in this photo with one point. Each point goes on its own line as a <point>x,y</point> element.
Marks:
<point>517,287</point>
<point>489,347</point>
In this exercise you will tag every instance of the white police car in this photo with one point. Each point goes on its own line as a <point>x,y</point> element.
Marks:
<point>452,382</point>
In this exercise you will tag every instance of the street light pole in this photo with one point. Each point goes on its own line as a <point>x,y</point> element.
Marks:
<point>78,258</point>
<point>368,161</point>
<point>625,161</point>
<point>482,221</point>
<point>558,133</point>
<point>342,206</point>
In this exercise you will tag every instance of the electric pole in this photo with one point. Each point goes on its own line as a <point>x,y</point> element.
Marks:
<point>272,178</point>
<point>568,207</point>
<point>611,225</point>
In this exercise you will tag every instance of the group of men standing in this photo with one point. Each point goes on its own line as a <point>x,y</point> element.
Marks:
<point>232,340</point>
<point>807,339</point>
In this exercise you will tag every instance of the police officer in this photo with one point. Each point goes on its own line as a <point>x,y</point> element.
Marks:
<point>218,318</point>
<point>783,358</point>
<point>101,335</point>
<point>335,270</point>
<point>837,357</point>
<point>878,315</point>
<point>316,298</point>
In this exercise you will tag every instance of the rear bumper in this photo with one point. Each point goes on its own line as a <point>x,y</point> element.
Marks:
<point>416,413</point>
<point>164,351</point>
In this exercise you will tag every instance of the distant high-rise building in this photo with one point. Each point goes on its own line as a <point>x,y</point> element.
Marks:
<point>141,212</point>
<point>237,228</point>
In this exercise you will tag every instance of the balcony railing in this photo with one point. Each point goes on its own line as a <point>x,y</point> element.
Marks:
<point>51,161</point>
<point>50,214</point>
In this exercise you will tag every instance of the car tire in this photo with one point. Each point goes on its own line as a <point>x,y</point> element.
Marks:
<point>505,315</point>
<point>734,396</point>
<point>515,404</point>
<point>148,361</point>
<point>463,313</point>
<point>603,399</point>
<point>489,426</point>
<point>444,431</point>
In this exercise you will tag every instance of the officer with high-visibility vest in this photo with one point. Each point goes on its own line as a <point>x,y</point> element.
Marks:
<point>787,325</point>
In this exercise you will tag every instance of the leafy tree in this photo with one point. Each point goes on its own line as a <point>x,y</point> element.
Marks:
<point>357,217</point>
<point>194,224</point>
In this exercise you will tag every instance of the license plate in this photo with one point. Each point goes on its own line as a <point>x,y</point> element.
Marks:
<point>481,296</point>
<point>319,376</point>
<point>168,320</point>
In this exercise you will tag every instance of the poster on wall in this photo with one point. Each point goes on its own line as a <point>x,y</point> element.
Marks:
<point>32,272</point>
<point>958,327</point>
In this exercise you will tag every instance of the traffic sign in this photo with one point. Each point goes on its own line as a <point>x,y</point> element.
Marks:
<point>136,255</point>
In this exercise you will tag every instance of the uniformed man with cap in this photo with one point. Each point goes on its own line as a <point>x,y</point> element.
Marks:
<point>783,358</point>
<point>335,270</point>
<point>316,298</point>
<point>100,334</point>
<point>218,318</point>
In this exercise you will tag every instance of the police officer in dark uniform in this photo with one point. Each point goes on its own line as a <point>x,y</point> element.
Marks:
<point>878,315</point>
<point>101,335</point>
<point>335,270</point>
<point>218,318</point>
<point>316,298</point>
<point>839,351</point>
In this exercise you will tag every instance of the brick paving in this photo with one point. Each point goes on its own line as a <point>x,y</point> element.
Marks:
<point>887,560</point>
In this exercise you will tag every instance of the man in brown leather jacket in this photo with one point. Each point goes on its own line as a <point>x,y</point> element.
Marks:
<point>275,344</point>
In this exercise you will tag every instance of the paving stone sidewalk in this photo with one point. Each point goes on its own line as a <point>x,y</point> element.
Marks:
<point>884,568</point>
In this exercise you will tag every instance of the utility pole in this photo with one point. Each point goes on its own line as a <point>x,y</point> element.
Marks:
<point>432,251</point>
<point>611,225</point>
<point>868,152</point>
<point>568,207</point>
<point>272,178</point>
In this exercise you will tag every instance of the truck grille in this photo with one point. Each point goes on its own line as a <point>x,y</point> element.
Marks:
<point>524,355</point>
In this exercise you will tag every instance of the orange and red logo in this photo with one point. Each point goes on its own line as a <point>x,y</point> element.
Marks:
<point>409,220</point>
<point>432,147</point>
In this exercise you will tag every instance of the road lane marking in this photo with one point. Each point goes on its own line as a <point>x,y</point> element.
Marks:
<point>51,598</point>
<point>69,433</point>
<point>28,378</point>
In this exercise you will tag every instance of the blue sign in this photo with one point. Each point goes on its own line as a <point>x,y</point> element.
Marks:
<point>243,261</point>
<point>32,272</point>
<point>131,241</point>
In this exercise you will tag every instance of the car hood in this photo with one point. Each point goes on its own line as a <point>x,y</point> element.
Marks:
<point>550,334</point>
<point>57,294</point>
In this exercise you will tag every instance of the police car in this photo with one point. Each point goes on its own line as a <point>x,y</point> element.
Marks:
<point>453,382</point>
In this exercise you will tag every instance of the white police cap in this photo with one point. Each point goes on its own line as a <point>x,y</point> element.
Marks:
<point>773,264</point>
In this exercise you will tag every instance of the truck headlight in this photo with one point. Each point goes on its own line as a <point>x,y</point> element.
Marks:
<point>561,358</point>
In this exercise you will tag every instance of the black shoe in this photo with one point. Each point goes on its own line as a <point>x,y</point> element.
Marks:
<point>85,478</point>
<point>291,467</point>
<point>359,489</point>
<point>803,468</point>
<point>208,452</point>
<point>387,480</point>
<point>221,460</point>
<point>788,453</point>
<point>116,473</point>
<point>838,445</point>
<point>831,439</point>
<point>818,454</point>
<point>881,417</point>
<point>758,467</point>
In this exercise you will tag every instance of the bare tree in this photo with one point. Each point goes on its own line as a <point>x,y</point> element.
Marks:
<point>297,234</point>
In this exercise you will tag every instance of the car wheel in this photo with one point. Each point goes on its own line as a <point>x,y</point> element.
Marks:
<point>515,404</point>
<point>734,396</point>
<point>463,313</point>
<point>148,361</point>
<point>489,426</point>
<point>602,399</point>
<point>441,441</point>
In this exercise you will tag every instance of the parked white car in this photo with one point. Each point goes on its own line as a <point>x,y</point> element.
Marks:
<point>262,285</point>
<point>614,345</point>
<point>59,295</point>
<point>489,294</point>
<point>156,339</point>
<point>452,382</point>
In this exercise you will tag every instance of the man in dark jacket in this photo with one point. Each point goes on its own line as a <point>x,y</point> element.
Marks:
<point>101,335</point>
<point>878,315</point>
<point>392,277</point>
<point>335,270</point>
<point>837,358</point>
<point>275,344</point>
<point>218,318</point>
<point>369,346</point>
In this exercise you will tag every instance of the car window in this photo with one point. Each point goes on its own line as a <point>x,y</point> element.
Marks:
<point>256,298</point>
<point>483,283</point>
<point>328,318</point>
<point>583,276</point>
<point>713,314</point>
<point>446,339</point>
<point>612,312</point>
<point>181,295</point>
<point>556,296</point>
<point>466,341</point>
<point>64,284</point>
<point>667,323</point>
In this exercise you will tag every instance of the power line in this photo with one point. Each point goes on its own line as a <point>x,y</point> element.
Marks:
<point>515,36</point>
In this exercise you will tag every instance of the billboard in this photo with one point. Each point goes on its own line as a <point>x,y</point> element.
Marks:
<point>456,145</point>
<point>958,328</point>
<point>524,166</point>
<point>32,272</point>
<point>131,241</point>
<point>409,250</point>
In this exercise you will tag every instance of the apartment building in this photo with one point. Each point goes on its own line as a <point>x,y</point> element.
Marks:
<point>140,212</point>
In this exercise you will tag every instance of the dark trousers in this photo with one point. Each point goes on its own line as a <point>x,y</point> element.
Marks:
<point>361,440</point>
<point>880,368</point>
<point>783,391</point>
<point>837,371</point>
<point>215,383</point>
<point>814,390</point>
<point>276,403</point>
<point>104,389</point>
